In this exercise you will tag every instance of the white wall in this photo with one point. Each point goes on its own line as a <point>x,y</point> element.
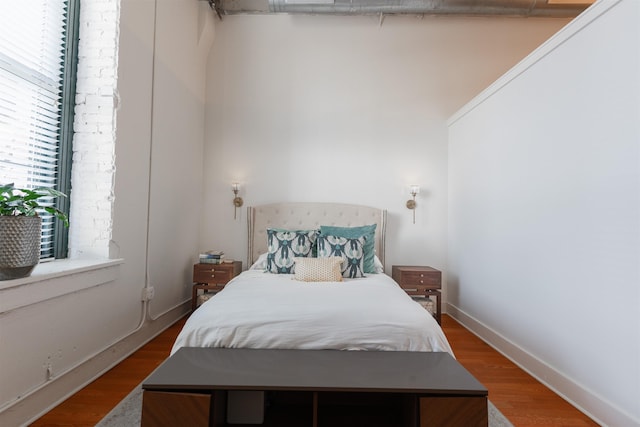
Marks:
<point>343,109</point>
<point>177,135</point>
<point>79,325</point>
<point>544,213</point>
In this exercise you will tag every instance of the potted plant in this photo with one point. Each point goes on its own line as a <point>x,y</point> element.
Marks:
<point>20,228</point>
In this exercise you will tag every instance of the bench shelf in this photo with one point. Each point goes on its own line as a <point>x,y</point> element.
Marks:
<point>314,388</point>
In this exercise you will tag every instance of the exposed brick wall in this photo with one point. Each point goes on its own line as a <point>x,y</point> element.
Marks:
<point>94,142</point>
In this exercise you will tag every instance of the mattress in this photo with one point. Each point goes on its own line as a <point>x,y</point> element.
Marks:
<point>264,310</point>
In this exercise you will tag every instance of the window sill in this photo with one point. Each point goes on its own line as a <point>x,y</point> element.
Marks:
<point>56,278</point>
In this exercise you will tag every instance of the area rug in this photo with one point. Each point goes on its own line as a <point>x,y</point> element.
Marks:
<point>129,412</point>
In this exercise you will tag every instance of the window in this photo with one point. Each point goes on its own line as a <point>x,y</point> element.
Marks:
<point>38,55</point>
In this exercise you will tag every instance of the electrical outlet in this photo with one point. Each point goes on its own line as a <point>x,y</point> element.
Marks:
<point>148,293</point>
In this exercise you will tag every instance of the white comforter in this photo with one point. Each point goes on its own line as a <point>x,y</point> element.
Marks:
<point>263,310</point>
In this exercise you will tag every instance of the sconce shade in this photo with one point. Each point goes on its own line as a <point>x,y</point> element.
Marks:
<point>411,203</point>
<point>237,200</point>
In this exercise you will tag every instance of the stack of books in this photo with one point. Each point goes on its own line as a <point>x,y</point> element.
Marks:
<point>211,257</point>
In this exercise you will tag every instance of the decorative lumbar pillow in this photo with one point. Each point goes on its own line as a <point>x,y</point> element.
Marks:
<point>350,250</point>
<point>284,245</point>
<point>318,269</point>
<point>366,231</point>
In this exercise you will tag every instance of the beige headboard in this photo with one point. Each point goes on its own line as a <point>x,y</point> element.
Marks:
<point>302,216</point>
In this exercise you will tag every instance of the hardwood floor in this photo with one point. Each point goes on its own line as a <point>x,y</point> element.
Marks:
<point>522,399</point>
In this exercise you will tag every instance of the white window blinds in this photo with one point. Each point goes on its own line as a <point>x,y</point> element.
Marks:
<point>32,49</point>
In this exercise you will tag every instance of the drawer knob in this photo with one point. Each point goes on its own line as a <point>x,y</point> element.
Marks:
<point>421,275</point>
<point>213,275</point>
<point>421,281</point>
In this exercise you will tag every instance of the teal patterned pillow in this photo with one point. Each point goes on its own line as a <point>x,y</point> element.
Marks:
<point>351,251</point>
<point>284,245</point>
<point>368,231</point>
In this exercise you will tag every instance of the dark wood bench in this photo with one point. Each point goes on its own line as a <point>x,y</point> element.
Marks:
<point>315,388</point>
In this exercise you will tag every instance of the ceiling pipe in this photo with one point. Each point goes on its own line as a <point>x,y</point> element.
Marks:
<point>429,7</point>
<point>534,8</point>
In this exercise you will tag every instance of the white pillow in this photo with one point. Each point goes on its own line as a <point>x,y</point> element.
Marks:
<point>377,265</point>
<point>326,269</point>
<point>261,263</point>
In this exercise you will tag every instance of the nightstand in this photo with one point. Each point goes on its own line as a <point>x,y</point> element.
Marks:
<point>212,278</point>
<point>420,281</point>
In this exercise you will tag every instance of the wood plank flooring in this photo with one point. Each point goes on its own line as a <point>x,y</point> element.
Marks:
<point>522,399</point>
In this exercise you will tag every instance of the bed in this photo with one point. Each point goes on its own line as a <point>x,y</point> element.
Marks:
<point>363,309</point>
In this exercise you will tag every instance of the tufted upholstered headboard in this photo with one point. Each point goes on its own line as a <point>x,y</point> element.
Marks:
<point>303,216</point>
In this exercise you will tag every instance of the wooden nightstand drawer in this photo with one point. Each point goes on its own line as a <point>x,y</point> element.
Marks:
<point>212,273</point>
<point>417,279</point>
<point>422,278</point>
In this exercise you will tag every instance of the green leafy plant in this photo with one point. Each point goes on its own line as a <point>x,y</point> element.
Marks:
<point>27,202</point>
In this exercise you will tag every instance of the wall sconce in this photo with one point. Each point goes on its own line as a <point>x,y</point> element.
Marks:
<point>237,200</point>
<point>411,203</point>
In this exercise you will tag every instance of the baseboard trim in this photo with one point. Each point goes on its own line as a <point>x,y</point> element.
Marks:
<point>32,407</point>
<point>597,408</point>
